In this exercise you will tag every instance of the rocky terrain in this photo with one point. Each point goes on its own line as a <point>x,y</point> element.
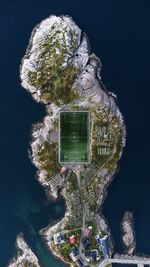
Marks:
<point>60,71</point>
<point>25,257</point>
<point>128,234</point>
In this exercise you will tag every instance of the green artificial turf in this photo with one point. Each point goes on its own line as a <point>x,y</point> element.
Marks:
<point>74,137</point>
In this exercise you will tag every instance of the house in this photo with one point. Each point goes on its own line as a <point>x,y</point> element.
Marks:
<point>88,256</point>
<point>85,243</point>
<point>74,254</point>
<point>79,262</point>
<point>72,240</point>
<point>88,231</point>
<point>94,255</point>
<point>97,237</point>
<point>59,238</point>
<point>63,170</point>
<point>103,245</point>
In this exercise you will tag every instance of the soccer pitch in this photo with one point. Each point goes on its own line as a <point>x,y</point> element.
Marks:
<point>74,137</point>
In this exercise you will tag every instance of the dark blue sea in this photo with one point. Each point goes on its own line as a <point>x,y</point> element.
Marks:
<point>120,36</point>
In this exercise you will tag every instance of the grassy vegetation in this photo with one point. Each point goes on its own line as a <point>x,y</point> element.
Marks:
<point>93,243</point>
<point>91,238</point>
<point>75,219</point>
<point>65,250</point>
<point>47,157</point>
<point>77,234</point>
<point>110,164</point>
<point>52,78</point>
<point>55,87</point>
<point>94,227</point>
<point>102,234</point>
<point>72,183</point>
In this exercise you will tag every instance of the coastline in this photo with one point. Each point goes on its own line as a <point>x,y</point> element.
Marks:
<point>128,233</point>
<point>24,254</point>
<point>98,94</point>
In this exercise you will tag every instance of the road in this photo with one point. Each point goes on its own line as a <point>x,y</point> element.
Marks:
<point>138,261</point>
<point>83,224</point>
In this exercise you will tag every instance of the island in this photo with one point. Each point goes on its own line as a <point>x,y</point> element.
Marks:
<point>128,236</point>
<point>77,146</point>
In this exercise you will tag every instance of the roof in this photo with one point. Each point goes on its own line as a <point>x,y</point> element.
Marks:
<point>72,239</point>
<point>104,246</point>
<point>79,262</point>
<point>87,253</point>
<point>75,252</point>
<point>72,256</point>
<point>87,232</point>
<point>59,238</point>
<point>94,254</point>
<point>85,243</point>
<point>62,170</point>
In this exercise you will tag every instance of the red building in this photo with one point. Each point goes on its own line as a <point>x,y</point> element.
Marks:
<point>72,240</point>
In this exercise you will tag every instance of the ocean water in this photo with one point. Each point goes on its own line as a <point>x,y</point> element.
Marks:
<point>119,35</point>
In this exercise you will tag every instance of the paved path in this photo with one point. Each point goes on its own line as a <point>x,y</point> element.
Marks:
<point>138,261</point>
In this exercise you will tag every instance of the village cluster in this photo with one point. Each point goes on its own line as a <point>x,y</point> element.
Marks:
<point>82,248</point>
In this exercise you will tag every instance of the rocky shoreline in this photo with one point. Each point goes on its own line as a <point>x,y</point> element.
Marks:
<point>86,92</point>
<point>128,233</point>
<point>25,256</point>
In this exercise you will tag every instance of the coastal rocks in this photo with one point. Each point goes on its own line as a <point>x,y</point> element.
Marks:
<point>44,141</point>
<point>56,46</point>
<point>81,57</point>
<point>128,234</point>
<point>24,257</point>
<point>59,71</point>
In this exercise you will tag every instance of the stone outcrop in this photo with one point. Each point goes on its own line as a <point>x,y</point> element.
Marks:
<point>25,256</point>
<point>128,234</point>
